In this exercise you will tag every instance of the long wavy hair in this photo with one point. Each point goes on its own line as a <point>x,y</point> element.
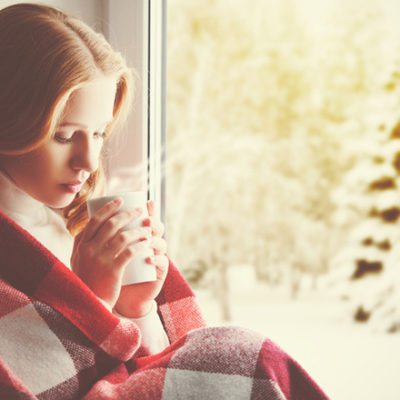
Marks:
<point>45,55</point>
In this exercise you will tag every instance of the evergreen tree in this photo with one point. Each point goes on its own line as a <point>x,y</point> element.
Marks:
<point>372,197</point>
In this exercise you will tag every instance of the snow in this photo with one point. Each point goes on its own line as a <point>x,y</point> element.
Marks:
<point>348,360</point>
<point>290,195</point>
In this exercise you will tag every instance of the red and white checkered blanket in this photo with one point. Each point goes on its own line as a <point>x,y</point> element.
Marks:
<point>57,341</point>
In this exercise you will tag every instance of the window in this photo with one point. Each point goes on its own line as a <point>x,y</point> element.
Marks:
<point>283,175</point>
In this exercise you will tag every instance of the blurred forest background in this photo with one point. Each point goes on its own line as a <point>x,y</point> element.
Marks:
<point>283,149</point>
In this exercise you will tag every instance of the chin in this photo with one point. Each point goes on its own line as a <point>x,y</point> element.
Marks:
<point>61,203</point>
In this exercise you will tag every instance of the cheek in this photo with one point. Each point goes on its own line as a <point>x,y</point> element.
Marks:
<point>42,164</point>
<point>31,171</point>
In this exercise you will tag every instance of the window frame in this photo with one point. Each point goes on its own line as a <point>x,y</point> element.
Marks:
<point>156,110</point>
<point>145,50</point>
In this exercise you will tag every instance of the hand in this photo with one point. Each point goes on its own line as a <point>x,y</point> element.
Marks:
<point>102,250</point>
<point>136,300</point>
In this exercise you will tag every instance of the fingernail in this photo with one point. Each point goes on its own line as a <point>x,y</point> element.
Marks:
<point>147,222</point>
<point>148,260</point>
<point>117,201</point>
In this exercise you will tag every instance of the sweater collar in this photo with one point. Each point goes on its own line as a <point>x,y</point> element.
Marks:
<point>18,205</point>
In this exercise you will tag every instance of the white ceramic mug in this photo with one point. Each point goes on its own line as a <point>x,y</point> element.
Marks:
<point>138,270</point>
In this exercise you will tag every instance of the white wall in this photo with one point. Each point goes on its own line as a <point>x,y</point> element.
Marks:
<point>125,28</point>
<point>89,10</point>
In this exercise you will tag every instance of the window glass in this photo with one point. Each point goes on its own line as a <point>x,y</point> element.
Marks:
<point>283,166</point>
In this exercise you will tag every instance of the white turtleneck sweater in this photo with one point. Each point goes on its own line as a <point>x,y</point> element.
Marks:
<point>48,227</point>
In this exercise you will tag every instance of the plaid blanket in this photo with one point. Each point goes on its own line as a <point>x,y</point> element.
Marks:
<point>58,341</point>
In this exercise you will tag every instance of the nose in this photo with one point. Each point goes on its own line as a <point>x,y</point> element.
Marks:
<point>86,155</point>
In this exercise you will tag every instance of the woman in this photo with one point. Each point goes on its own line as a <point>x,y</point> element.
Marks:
<point>68,330</point>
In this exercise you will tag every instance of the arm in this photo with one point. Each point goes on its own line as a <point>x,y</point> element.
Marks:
<point>154,337</point>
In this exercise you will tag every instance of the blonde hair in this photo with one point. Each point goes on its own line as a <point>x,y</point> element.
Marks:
<point>46,55</point>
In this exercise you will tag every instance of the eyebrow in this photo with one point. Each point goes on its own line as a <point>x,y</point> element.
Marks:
<point>77,124</point>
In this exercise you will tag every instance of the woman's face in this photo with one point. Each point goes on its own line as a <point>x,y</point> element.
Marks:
<point>54,172</point>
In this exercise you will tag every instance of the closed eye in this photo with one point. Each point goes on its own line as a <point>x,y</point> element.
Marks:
<point>99,135</point>
<point>65,140</point>
<point>62,139</point>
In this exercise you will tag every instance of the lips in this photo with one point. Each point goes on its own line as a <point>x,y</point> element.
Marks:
<point>73,186</point>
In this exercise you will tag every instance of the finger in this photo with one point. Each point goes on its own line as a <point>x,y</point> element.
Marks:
<point>114,225</point>
<point>131,251</point>
<point>158,244</point>
<point>99,217</point>
<point>156,224</point>
<point>158,227</point>
<point>126,238</point>
<point>161,263</point>
<point>78,237</point>
<point>151,208</point>
<point>123,258</point>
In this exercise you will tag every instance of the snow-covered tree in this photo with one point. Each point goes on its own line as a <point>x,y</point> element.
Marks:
<point>370,269</point>
<point>259,114</point>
